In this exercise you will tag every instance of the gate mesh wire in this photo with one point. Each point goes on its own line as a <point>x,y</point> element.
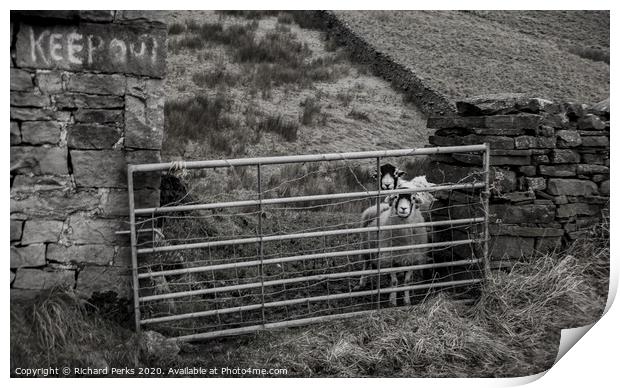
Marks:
<point>249,295</point>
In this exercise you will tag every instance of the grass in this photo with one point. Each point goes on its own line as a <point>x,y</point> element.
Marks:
<point>311,109</point>
<point>358,115</point>
<point>464,54</point>
<point>176,28</point>
<point>214,78</point>
<point>203,117</point>
<point>512,330</point>
<point>287,129</point>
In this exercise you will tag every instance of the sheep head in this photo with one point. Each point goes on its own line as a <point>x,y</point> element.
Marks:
<point>389,176</point>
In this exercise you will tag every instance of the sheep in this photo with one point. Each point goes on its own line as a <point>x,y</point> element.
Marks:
<point>390,177</point>
<point>405,209</point>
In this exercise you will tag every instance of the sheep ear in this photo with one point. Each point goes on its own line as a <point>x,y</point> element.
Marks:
<point>400,173</point>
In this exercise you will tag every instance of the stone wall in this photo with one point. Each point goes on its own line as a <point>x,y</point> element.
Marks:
<point>549,169</point>
<point>383,65</point>
<point>86,100</point>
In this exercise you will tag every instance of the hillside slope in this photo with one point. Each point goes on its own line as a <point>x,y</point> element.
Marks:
<point>467,53</point>
<point>272,88</point>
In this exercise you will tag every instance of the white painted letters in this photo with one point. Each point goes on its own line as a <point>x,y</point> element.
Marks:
<point>35,46</point>
<point>56,47</point>
<point>118,51</point>
<point>73,47</point>
<point>91,48</point>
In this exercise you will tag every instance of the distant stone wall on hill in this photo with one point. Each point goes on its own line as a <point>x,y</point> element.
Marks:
<point>86,100</point>
<point>401,77</point>
<point>549,170</point>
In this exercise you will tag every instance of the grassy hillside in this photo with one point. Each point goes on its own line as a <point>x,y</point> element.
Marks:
<point>555,54</point>
<point>249,86</point>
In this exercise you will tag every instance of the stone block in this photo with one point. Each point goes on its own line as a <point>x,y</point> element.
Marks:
<point>575,187</point>
<point>113,84</point>
<point>503,180</point>
<point>536,183</point>
<point>591,169</point>
<point>559,170</point>
<point>34,114</point>
<point>520,121</point>
<point>88,101</point>
<point>138,132</point>
<point>83,230</point>
<point>590,121</point>
<point>540,159</point>
<point>564,156</point>
<point>498,131</point>
<point>524,231</point>
<point>122,258</point>
<point>38,279</point>
<point>96,15</point>
<point>105,168</point>
<point>557,121</point>
<point>525,142</point>
<point>575,209</point>
<point>49,81</point>
<point>92,136</point>
<point>39,160</point>
<point>16,135</point>
<point>16,230</point>
<point>528,170</point>
<point>518,197</point>
<point>501,104</point>
<point>442,122</point>
<point>40,132</point>
<point>41,231</point>
<point>145,180</point>
<point>511,214</point>
<point>446,173</point>
<point>511,247</point>
<point>152,17</point>
<point>39,184</point>
<point>29,99</point>
<point>98,116</point>
<point>104,278</point>
<point>56,204</point>
<point>116,202</point>
<point>568,139</point>
<point>604,188</point>
<point>594,158</point>
<point>90,253</point>
<point>21,80</point>
<point>574,110</point>
<point>28,256</point>
<point>595,141</point>
<point>104,47</point>
<point>506,160</point>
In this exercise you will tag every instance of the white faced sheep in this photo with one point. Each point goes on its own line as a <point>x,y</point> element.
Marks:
<point>404,210</point>
<point>390,177</point>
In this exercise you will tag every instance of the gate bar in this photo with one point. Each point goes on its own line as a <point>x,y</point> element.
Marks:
<point>280,237</point>
<point>303,158</point>
<point>301,279</point>
<point>305,198</point>
<point>321,298</point>
<point>287,259</point>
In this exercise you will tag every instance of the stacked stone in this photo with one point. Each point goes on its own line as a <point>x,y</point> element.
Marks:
<point>549,169</point>
<point>86,101</point>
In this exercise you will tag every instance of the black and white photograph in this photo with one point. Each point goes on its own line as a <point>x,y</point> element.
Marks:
<point>306,193</point>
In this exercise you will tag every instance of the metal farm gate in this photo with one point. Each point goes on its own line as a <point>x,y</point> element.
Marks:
<point>204,267</point>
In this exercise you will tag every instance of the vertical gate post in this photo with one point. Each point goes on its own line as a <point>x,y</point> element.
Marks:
<point>260,239</point>
<point>379,232</point>
<point>485,203</point>
<point>134,254</point>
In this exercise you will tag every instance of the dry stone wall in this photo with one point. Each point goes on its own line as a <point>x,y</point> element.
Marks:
<point>549,170</point>
<point>86,100</point>
<point>382,64</point>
